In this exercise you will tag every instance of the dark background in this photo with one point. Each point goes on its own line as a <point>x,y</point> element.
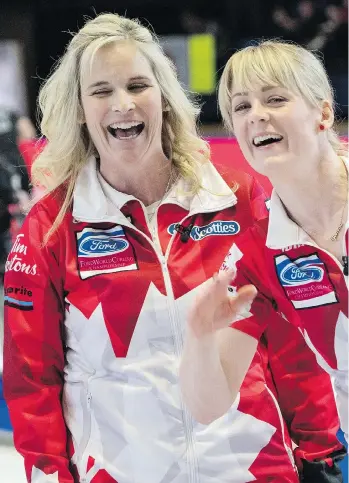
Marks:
<point>42,27</point>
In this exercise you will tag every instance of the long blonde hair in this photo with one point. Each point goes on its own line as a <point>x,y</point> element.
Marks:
<point>68,143</point>
<point>274,62</point>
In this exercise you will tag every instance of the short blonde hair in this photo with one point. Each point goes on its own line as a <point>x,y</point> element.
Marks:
<point>273,62</point>
<point>68,143</point>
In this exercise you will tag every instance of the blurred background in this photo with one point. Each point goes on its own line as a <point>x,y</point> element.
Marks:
<point>198,38</point>
<point>33,35</point>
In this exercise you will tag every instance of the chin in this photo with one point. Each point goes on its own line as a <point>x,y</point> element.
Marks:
<point>273,163</point>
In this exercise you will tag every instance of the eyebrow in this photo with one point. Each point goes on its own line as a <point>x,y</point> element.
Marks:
<point>264,89</point>
<point>132,79</point>
<point>97,84</point>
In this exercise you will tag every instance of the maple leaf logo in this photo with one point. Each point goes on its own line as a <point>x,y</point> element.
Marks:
<point>138,414</point>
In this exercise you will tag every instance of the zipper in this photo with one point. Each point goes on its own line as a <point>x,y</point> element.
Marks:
<point>176,327</point>
<point>188,420</point>
<point>288,449</point>
<point>178,341</point>
<point>82,456</point>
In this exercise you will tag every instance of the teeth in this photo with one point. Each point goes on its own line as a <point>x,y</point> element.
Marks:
<point>125,125</point>
<point>260,139</point>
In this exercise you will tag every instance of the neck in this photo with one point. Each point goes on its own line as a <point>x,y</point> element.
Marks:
<point>146,180</point>
<point>316,199</point>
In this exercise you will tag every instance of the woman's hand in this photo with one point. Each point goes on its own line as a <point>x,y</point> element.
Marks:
<point>215,308</point>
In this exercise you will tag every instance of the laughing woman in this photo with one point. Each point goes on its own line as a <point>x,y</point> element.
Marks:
<point>99,282</point>
<point>277,99</point>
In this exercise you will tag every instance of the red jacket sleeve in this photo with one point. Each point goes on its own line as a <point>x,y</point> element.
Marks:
<point>306,399</point>
<point>252,198</point>
<point>33,351</point>
<point>259,201</point>
<point>243,256</point>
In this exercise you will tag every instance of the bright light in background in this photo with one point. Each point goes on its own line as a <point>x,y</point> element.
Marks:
<point>12,81</point>
<point>12,466</point>
<point>195,59</point>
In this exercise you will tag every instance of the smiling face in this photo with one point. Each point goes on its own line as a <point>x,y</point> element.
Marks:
<point>274,125</point>
<point>122,103</point>
<point>277,99</point>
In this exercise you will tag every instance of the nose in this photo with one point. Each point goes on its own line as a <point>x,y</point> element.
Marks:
<point>258,113</point>
<point>122,102</point>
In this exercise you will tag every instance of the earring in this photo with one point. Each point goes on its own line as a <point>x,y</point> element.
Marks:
<point>166,108</point>
<point>321,127</point>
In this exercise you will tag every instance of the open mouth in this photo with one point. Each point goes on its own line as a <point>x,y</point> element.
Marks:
<point>126,130</point>
<point>266,140</point>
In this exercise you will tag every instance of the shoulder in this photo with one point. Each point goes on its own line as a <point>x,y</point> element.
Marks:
<point>254,238</point>
<point>236,178</point>
<point>44,213</point>
<point>260,229</point>
<point>49,205</point>
<point>249,192</point>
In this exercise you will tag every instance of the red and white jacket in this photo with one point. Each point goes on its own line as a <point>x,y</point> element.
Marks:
<point>94,329</point>
<point>304,284</point>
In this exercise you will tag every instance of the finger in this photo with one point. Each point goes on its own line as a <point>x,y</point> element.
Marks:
<point>223,279</point>
<point>243,300</point>
<point>247,292</point>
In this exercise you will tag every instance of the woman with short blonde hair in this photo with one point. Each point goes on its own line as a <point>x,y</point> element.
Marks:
<point>277,99</point>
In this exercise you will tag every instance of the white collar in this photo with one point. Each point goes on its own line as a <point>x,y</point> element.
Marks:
<point>95,200</point>
<point>282,231</point>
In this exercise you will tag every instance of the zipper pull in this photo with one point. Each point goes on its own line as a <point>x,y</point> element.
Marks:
<point>345,265</point>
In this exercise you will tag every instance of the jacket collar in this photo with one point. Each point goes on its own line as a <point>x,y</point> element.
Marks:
<point>282,231</point>
<point>95,200</point>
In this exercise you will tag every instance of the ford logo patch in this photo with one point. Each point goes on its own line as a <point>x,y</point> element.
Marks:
<point>292,274</point>
<point>102,245</point>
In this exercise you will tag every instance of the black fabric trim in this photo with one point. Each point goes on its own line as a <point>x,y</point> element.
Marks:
<point>321,472</point>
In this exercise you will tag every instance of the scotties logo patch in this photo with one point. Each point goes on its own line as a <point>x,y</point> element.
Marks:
<point>305,281</point>
<point>104,251</point>
<point>215,228</point>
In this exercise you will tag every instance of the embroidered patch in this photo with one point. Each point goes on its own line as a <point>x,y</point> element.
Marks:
<point>305,281</point>
<point>104,251</point>
<point>215,228</point>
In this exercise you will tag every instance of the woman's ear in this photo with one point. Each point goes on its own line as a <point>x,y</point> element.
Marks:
<point>327,115</point>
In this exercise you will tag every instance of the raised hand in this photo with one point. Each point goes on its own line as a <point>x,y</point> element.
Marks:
<point>215,308</point>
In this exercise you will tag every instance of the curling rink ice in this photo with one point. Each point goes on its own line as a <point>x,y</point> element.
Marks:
<point>11,463</point>
<point>11,466</point>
